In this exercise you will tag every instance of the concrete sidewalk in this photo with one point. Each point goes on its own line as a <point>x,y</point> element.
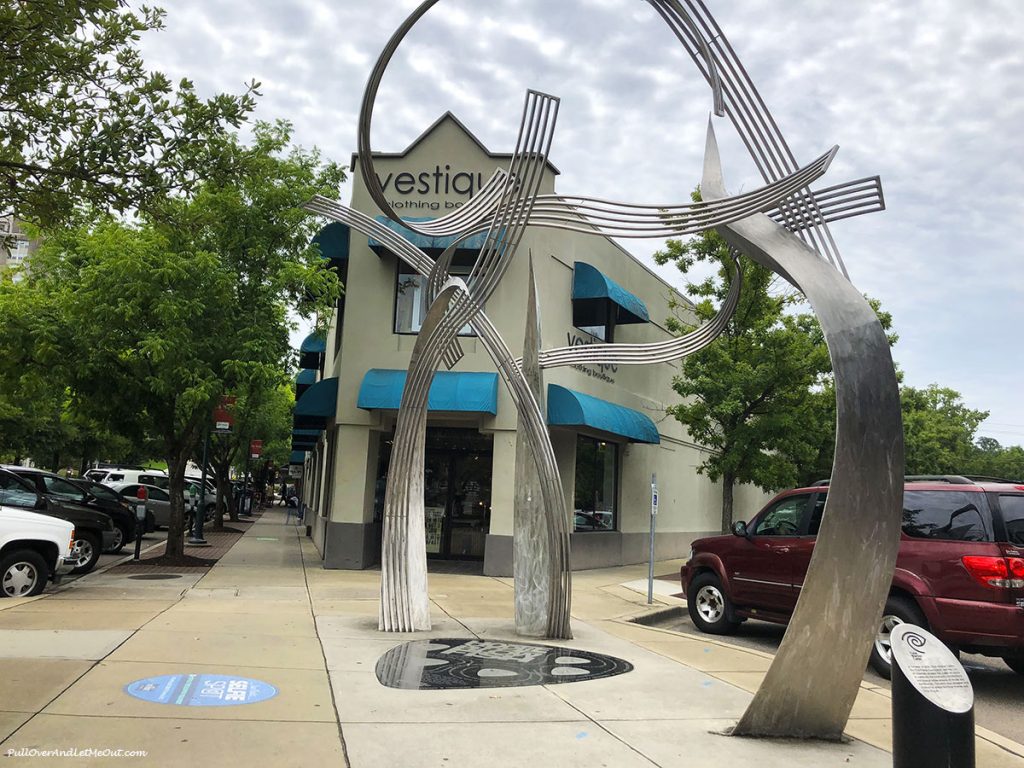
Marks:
<point>267,611</point>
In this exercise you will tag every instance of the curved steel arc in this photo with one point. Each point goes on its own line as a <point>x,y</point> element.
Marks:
<point>614,219</point>
<point>403,589</point>
<point>482,204</point>
<point>404,600</point>
<point>814,678</point>
<point>694,26</point>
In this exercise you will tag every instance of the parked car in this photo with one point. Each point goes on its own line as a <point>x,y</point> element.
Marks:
<point>33,548</point>
<point>137,475</point>
<point>158,501</point>
<point>87,494</point>
<point>94,531</point>
<point>959,572</point>
<point>106,499</point>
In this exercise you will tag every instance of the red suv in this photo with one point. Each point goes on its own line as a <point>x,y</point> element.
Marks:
<point>959,573</point>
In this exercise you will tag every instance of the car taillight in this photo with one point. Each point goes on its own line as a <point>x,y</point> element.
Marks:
<point>71,544</point>
<point>996,571</point>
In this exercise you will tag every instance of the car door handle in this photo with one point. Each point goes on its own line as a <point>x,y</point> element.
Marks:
<point>781,550</point>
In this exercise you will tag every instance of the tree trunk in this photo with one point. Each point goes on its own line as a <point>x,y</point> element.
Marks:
<point>728,482</point>
<point>176,488</point>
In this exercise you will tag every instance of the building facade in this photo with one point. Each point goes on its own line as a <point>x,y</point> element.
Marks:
<point>609,425</point>
<point>15,245</point>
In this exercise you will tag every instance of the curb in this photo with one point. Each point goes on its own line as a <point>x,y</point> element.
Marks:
<point>104,569</point>
<point>646,618</point>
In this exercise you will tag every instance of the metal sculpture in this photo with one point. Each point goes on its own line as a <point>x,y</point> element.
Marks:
<point>810,687</point>
<point>813,680</point>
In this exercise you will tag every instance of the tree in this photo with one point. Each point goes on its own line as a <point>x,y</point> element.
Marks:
<point>938,429</point>
<point>748,396</point>
<point>263,411</point>
<point>991,459</point>
<point>82,121</point>
<point>149,323</point>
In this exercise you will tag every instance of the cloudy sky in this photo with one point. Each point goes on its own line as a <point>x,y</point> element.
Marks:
<point>925,93</point>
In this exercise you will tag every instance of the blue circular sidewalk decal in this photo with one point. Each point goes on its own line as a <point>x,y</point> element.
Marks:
<point>200,690</point>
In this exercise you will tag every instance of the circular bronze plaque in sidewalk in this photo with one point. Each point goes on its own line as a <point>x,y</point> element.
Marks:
<point>468,663</point>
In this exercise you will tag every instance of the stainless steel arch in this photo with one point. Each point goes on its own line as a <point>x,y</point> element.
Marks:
<point>478,208</point>
<point>814,678</point>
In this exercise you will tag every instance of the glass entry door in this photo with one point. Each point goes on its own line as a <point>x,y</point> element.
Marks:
<point>457,484</point>
<point>469,505</point>
<point>456,491</point>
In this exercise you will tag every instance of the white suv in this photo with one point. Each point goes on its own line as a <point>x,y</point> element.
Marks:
<point>115,476</point>
<point>33,548</point>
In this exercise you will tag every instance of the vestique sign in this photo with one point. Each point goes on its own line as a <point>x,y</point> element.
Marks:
<point>931,668</point>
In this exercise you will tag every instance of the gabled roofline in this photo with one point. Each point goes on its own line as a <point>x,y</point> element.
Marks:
<point>462,126</point>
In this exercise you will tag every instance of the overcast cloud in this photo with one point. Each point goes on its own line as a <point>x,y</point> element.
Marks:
<point>925,93</point>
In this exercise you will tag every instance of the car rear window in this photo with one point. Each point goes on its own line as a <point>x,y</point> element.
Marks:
<point>14,493</point>
<point>1012,507</point>
<point>950,515</point>
<point>102,492</point>
<point>63,488</point>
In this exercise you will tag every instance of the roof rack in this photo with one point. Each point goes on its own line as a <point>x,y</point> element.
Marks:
<point>989,479</point>
<point>951,479</point>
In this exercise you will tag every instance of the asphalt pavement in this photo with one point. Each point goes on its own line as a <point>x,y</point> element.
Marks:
<point>998,690</point>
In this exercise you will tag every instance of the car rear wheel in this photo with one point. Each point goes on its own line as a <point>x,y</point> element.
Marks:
<point>1016,663</point>
<point>898,610</point>
<point>121,537</point>
<point>709,606</point>
<point>85,552</point>
<point>22,574</point>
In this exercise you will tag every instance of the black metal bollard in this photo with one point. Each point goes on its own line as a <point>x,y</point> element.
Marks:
<point>932,703</point>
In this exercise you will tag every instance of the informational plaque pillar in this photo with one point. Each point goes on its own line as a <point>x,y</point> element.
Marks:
<point>932,703</point>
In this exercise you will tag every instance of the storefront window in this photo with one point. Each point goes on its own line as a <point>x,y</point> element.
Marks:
<point>597,478</point>
<point>411,295</point>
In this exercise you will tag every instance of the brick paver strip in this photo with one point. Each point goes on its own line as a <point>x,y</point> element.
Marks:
<point>204,557</point>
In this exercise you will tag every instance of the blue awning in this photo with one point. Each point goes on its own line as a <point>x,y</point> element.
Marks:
<point>297,457</point>
<point>333,242</point>
<point>311,352</point>
<point>466,391</point>
<point>303,381</point>
<point>474,243</point>
<point>569,408</point>
<point>596,298</point>
<point>317,406</point>
<point>305,439</point>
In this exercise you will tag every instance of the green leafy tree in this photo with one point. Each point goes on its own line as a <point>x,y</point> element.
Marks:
<point>994,460</point>
<point>149,323</point>
<point>938,429</point>
<point>263,411</point>
<point>747,396</point>
<point>83,122</point>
